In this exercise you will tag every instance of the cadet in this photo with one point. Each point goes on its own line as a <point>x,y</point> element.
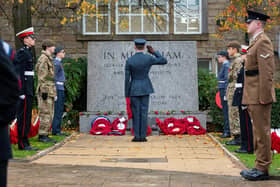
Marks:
<point>25,68</point>
<point>235,65</point>
<point>138,86</point>
<point>8,101</point>
<point>222,86</point>
<point>259,93</point>
<point>46,91</point>
<point>59,82</point>
<point>246,132</point>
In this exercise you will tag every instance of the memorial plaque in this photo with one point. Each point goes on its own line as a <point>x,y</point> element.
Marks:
<point>175,84</point>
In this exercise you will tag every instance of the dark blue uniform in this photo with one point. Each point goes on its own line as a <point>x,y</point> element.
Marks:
<point>25,69</point>
<point>222,85</point>
<point>138,87</point>
<point>246,131</point>
<point>59,103</point>
<point>8,100</point>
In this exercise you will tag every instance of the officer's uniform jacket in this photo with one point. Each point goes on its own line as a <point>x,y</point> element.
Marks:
<point>137,81</point>
<point>45,71</point>
<point>59,74</point>
<point>223,75</point>
<point>25,68</point>
<point>259,68</point>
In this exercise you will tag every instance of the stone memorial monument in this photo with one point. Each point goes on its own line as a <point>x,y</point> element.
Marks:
<point>175,83</point>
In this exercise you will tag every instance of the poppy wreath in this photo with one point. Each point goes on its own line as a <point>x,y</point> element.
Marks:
<point>34,130</point>
<point>13,132</point>
<point>162,126</point>
<point>193,126</point>
<point>174,126</point>
<point>149,131</point>
<point>275,142</point>
<point>120,125</point>
<point>101,125</point>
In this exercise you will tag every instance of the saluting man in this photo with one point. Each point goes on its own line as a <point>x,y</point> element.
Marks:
<point>25,68</point>
<point>259,93</point>
<point>46,91</point>
<point>138,86</point>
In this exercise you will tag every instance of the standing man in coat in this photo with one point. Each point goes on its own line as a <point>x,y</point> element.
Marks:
<point>233,48</point>
<point>25,68</point>
<point>138,86</point>
<point>46,91</point>
<point>222,86</point>
<point>8,101</point>
<point>59,83</point>
<point>259,93</point>
<point>246,132</point>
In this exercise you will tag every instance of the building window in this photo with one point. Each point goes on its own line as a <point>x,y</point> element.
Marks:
<point>205,63</point>
<point>142,17</point>
<point>187,16</point>
<point>98,22</point>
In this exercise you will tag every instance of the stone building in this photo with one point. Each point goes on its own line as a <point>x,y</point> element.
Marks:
<point>177,20</point>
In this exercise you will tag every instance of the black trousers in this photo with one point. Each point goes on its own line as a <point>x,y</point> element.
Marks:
<point>139,109</point>
<point>246,131</point>
<point>24,114</point>
<point>3,173</point>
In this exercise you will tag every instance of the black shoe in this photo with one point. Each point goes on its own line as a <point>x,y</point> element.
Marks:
<point>136,139</point>
<point>59,134</point>
<point>143,139</point>
<point>254,175</point>
<point>243,151</point>
<point>46,139</point>
<point>225,135</point>
<point>28,148</point>
<point>235,141</point>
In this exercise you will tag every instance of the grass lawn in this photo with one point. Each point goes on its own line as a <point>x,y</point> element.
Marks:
<point>19,154</point>
<point>249,159</point>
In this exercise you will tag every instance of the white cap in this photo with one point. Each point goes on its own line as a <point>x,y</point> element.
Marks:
<point>25,32</point>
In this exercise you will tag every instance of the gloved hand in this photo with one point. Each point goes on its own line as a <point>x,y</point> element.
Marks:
<point>128,108</point>
<point>22,97</point>
<point>44,96</point>
<point>244,107</point>
<point>150,49</point>
<point>55,98</point>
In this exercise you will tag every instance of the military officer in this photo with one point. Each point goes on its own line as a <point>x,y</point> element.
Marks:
<point>138,86</point>
<point>222,86</point>
<point>46,91</point>
<point>8,101</point>
<point>25,68</point>
<point>233,48</point>
<point>259,93</point>
<point>246,132</point>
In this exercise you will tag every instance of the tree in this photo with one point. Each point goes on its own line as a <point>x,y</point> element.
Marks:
<point>234,15</point>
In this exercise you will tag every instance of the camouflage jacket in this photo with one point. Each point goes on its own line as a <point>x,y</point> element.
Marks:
<point>45,72</point>
<point>235,66</point>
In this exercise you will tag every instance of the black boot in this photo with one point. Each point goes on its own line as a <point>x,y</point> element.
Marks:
<point>236,140</point>
<point>45,139</point>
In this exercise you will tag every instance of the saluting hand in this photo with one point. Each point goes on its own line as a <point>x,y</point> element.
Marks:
<point>150,49</point>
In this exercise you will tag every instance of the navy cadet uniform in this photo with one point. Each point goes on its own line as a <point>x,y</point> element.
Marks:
<point>8,100</point>
<point>138,86</point>
<point>246,131</point>
<point>222,86</point>
<point>25,68</point>
<point>59,103</point>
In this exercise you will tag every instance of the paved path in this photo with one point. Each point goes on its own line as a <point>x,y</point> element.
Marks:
<point>101,161</point>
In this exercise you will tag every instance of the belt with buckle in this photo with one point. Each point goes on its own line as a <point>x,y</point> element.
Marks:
<point>29,73</point>
<point>252,72</point>
<point>60,83</point>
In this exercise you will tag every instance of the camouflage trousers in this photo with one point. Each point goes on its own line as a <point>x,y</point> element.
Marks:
<point>46,112</point>
<point>233,113</point>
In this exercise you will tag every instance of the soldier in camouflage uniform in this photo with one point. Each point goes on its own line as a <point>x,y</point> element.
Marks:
<point>235,65</point>
<point>46,90</point>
